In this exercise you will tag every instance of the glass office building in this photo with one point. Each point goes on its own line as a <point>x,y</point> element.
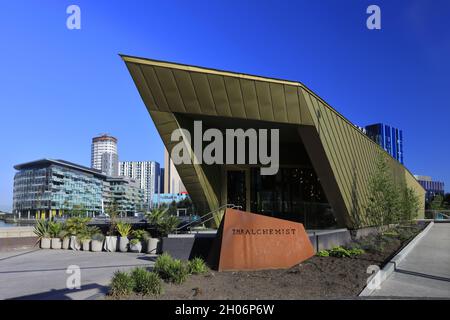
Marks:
<point>432,188</point>
<point>389,138</point>
<point>47,188</point>
<point>126,194</point>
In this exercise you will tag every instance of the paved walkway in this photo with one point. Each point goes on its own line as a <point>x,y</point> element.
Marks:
<point>425,271</point>
<point>41,274</point>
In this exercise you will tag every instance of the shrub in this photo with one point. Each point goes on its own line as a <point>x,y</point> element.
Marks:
<point>98,237</point>
<point>134,241</point>
<point>123,228</point>
<point>323,253</point>
<point>122,284</point>
<point>76,225</point>
<point>171,270</point>
<point>145,282</point>
<point>391,234</point>
<point>140,234</point>
<point>340,252</point>
<point>356,252</point>
<point>54,228</point>
<point>42,229</point>
<point>197,266</point>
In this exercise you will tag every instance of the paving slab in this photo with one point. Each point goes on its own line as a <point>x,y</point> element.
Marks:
<point>425,271</point>
<point>42,274</point>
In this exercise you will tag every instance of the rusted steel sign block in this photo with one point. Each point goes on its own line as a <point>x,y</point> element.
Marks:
<point>251,241</point>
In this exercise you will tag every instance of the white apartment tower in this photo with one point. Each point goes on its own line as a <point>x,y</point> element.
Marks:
<point>104,155</point>
<point>148,174</point>
<point>172,180</point>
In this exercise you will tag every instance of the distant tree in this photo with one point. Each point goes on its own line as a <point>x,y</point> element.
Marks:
<point>113,212</point>
<point>409,204</point>
<point>172,208</point>
<point>78,210</point>
<point>437,203</point>
<point>186,204</point>
<point>447,201</point>
<point>384,197</point>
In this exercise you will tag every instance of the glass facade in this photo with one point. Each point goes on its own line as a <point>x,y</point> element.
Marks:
<point>432,188</point>
<point>50,187</point>
<point>126,194</point>
<point>294,194</point>
<point>389,138</point>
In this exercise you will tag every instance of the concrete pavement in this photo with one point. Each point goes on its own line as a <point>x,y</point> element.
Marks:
<point>425,271</point>
<point>41,274</point>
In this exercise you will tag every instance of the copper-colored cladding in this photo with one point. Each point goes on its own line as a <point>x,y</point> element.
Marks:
<point>253,241</point>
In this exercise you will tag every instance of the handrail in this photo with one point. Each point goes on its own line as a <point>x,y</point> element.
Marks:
<point>232,206</point>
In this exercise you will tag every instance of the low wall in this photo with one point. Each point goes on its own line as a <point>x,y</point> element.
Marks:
<point>327,239</point>
<point>17,238</point>
<point>188,246</point>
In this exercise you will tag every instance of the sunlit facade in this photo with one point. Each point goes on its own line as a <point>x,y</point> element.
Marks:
<point>47,188</point>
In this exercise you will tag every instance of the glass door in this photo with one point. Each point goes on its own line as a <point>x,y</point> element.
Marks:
<point>236,188</point>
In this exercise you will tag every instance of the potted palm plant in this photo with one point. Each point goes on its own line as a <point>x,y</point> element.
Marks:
<point>135,245</point>
<point>164,223</point>
<point>85,240</point>
<point>111,236</point>
<point>97,242</point>
<point>124,230</point>
<point>86,236</point>
<point>41,230</point>
<point>75,226</point>
<point>55,229</point>
<point>65,237</point>
<point>139,240</point>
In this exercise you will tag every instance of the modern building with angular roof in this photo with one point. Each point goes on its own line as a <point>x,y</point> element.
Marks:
<point>325,161</point>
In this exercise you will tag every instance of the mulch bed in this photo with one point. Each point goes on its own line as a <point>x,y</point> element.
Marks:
<point>318,277</point>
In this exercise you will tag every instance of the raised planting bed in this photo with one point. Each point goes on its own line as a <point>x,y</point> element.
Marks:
<point>318,277</point>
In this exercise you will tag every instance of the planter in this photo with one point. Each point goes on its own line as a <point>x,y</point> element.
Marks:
<point>96,245</point>
<point>45,243</point>
<point>137,248</point>
<point>74,243</point>
<point>85,245</point>
<point>123,244</point>
<point>153,245</point>
<point>65,243</point>
<point>110,244</point>
<point>56,243</point>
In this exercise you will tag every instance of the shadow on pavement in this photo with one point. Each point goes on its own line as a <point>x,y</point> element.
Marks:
<point>62,294</point>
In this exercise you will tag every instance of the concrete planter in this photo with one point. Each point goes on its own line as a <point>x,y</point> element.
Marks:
<point>137,248</point>
<point>96,245</point>
<point>110,244</point>
<point>123,244</point>
<point>74,243</point>
<point>56,243</point>
<point>65,243</point>
<point>86,245</point>
<point>153,246</point>
<point>45,243</point>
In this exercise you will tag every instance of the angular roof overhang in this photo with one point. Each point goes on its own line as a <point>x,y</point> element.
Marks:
<point>343,155</point>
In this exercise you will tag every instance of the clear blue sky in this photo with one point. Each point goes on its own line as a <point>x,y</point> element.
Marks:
<point>60,87</point>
